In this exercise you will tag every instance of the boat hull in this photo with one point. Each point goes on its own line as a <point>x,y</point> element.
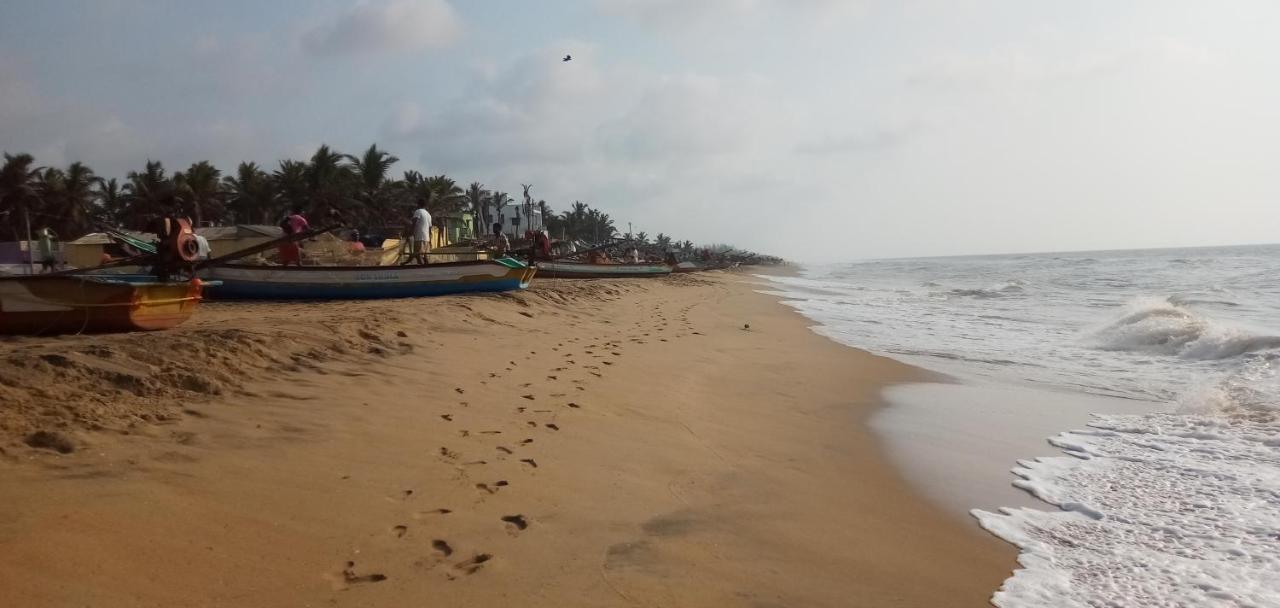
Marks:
<point>567,270</point>
<point>81,304</point>
<point>240,282</point>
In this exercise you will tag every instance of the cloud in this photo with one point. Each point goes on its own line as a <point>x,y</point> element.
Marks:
<point>684,13</point>
<point>386,26</point>
<point>872,139</point>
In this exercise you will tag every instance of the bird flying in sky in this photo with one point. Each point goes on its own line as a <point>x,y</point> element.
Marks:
<point>567,58</point>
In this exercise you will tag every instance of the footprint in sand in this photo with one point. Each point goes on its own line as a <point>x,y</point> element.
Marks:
<point>442,547</point>
<point>351,578</point>
<point>504,449</point>
<point>574,405</point>
<point>459,390</point>
<point>526,441</point>
<point>400,531</point>
<point>553,426</point>
<point>447,453</point>
<point>492,489</point>
<point>447,417</point>
<point>530,462</point>
<point>473,565</point>
<point>529,397</point>
<point>517,522</point>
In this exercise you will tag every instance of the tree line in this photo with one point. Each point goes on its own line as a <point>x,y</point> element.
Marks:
<point>74,200</point>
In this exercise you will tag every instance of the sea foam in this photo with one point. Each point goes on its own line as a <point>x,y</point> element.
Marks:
<point>1169,509</point>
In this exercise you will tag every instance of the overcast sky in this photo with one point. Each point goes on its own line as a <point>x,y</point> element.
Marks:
<point>815,129</point>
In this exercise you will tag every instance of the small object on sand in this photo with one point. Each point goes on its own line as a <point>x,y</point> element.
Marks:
<point>746,326</point>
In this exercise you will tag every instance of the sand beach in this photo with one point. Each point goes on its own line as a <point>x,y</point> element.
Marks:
<point>685,441</point>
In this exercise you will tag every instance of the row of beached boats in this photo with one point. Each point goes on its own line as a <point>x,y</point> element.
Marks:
<point>89,301</point>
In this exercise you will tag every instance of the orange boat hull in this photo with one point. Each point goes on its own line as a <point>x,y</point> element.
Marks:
<point>70,304</point>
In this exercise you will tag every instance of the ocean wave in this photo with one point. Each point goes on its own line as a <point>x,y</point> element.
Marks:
<point>1158,510</point>
<point>1250,392</point>
<point>1011,287</point>
<point>1166,328</point>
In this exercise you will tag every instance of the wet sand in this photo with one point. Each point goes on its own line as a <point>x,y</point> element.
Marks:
<point>940,436</point>
<point>677,442</point>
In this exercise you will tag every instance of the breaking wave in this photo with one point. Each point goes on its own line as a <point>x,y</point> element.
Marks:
<point>1167,327</point>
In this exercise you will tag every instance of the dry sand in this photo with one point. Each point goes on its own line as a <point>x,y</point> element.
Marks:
<point>600,443</point>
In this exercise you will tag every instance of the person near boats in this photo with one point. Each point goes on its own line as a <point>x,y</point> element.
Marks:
<point>421,233</point>
<point>294,223</point>
<point>48,250</point>
<point>501,245</point>
<point>540,249</point>
<point>634,255</point>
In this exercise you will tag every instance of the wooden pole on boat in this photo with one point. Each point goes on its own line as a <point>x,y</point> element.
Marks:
<point>31,260</point>
<point>289,238</point>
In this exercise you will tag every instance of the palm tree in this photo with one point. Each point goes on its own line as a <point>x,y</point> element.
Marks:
<point>446,195</point>
<point>68,198</point>
<point>662,241</point>
<point>148,194</point>
<point>542,213</point>
<point>374,190</point>
<point>250,194</point>
<point>329,181</point>
<point>289,182</point>
<point>642,237</point>
<point>527,209</point>
<point>200,187</point>
<point>109,200</point>
<point>476,195</point>
<point>18,191</point>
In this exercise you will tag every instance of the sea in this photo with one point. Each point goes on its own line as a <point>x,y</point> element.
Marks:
<point>1179,506</point>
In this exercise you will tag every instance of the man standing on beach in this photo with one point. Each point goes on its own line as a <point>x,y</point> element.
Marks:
<point>421,233</point>
<point>500,243</point>
<point>48,255</point>
<point>295,223</point>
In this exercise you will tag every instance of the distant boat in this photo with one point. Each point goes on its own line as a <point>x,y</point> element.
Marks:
<point>686,267</point>
<point>60,304</point>
<point>581,270</point>
<point>244,282</point>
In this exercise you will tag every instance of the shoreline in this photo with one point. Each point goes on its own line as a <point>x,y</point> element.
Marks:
<point>676,458</point>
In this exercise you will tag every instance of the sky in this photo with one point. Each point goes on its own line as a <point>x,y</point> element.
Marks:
<point>819,130</point>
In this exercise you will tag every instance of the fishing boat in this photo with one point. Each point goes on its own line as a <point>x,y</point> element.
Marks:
<point>245,282</point>
<point>583,270</point>
<point>59,304</point>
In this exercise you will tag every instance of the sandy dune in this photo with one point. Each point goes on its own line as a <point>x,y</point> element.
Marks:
<point>581,444</point>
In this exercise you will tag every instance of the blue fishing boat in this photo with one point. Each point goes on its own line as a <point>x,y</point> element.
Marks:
<point>245,282</point>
